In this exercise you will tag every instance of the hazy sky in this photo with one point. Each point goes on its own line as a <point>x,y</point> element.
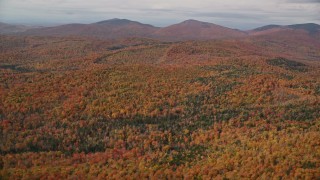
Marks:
<point>242,14</point>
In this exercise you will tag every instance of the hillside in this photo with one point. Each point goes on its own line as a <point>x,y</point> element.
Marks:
<point>11,29</point>
<point>109,29</point>
<point>310,29</point>
<point>122,28</point>
<point>196,30</point>
<point>138,108</point>
<point>184,31</point>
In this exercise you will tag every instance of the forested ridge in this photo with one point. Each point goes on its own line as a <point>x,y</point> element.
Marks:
<point>138,108</point>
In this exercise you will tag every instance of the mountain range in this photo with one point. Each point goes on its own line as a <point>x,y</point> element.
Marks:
<point>186,30</point>
<point>10,28</point>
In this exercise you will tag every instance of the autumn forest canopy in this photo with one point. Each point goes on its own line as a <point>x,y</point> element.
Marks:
<point>160,105</point>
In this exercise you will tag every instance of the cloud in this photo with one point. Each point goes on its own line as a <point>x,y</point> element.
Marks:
<point>303,1</point>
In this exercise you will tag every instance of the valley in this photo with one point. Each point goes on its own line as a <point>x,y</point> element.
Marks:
<point>160,103</point>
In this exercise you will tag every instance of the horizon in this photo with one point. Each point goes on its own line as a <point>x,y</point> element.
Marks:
<point>230,13</point>
<point>60,24</point>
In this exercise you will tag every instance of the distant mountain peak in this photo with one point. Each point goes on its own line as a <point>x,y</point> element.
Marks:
<point>310,27</point>
<point>120,22</point>
<point>192,21</point>
<point>116,21</point>
<point>196,30</point>
<point>12,28</point>
<point>267,27</point>
<point>190,29</point>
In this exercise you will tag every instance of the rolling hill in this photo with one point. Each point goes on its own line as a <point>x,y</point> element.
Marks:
<point>109,29</point>
<point>309,28</point>
<point>184,31</point>
<point>140,109</point>
<point>242,106</point>
<point>123,28</point>
<point>10,28</point>
<point>196,30</point>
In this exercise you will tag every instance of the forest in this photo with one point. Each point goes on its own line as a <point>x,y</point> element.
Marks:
<point>139,108</point>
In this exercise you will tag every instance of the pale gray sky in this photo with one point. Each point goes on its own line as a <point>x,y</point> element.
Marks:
<point>241,14</point>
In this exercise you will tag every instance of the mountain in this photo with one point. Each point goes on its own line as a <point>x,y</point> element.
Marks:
<point>244,108</point>
<point>186,30</point>
<point>120,22</point>
<point>9,28</point>
<point>196,30</point>
<point>264,28</point>
<point>296,33</point>
<point>308,28</point>
<point>109,29</point>
<point>123,28</point>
